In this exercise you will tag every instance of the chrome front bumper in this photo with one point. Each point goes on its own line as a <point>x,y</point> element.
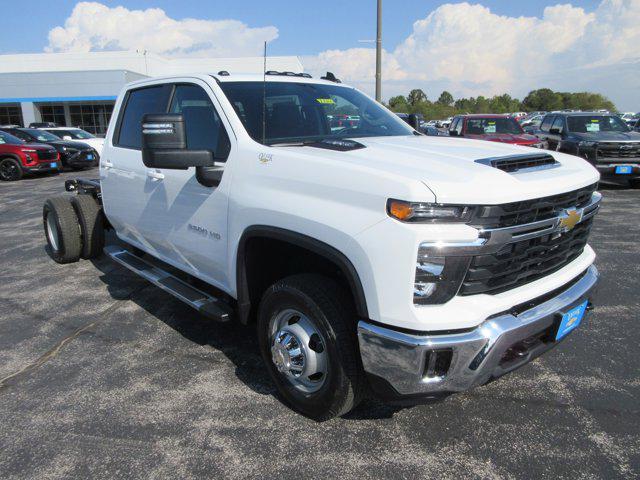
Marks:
<point>476,356</point>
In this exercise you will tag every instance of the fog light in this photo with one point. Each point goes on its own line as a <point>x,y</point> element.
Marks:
<point>437,278</point>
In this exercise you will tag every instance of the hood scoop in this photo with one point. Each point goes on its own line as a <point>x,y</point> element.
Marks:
<point>518,163</point>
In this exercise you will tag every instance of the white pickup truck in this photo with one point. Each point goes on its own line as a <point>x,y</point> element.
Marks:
<point>373,259</point>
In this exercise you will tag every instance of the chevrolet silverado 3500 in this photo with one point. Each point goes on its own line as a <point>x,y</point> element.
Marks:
<point>371,258</point>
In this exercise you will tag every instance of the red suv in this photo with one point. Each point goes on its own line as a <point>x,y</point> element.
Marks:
<point>495,128</point>
<point>17,158</point>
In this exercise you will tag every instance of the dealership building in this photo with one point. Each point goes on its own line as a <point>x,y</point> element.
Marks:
<point>80,89</point>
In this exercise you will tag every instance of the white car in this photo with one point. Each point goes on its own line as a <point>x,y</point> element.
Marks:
<point>77,135</point>
<point>419,265</point>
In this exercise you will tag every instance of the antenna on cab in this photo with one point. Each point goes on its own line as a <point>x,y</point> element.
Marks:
<point>264,95</point>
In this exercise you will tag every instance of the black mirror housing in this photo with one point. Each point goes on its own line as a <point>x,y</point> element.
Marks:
<point>164,144</point>
<point>414,121</point>
<point>555,131</point>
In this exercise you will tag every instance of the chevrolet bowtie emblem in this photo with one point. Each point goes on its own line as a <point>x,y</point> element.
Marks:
<point>569,218</point>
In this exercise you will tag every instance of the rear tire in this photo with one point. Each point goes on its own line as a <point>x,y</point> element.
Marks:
<point>62,229</point>
<point>90,219</point>
<point>10,170</point>
<point>306,326</point>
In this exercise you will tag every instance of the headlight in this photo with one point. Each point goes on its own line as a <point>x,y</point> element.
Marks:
<point>538,145</point>
<point>437,278</point>
<point>587,144</point>
<point>417,212</point>
<point>63,149</point>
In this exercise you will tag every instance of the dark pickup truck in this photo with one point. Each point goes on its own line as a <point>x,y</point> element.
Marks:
<point>602,139</point>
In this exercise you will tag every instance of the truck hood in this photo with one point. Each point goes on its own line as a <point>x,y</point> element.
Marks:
<point>447,167</point>
<point>607,136</point>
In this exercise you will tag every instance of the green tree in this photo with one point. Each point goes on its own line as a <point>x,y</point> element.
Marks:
<point>416,96</point>
<point>445,98</point>
<point>398,104</point>
<point>543,99</point>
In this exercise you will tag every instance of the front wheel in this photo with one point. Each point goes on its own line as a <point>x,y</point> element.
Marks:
<point>10,170</point>
<point>307,337</point>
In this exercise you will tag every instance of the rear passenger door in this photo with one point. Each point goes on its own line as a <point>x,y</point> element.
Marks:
<point>123,176</point>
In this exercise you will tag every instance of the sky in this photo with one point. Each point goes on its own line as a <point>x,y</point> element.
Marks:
<point>481,47</point>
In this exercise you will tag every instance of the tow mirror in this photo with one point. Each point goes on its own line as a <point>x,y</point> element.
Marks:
<point>414,121</point>
<point>164,144</point>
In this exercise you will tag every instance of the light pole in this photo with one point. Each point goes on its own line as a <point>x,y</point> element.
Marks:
<point>379,54</point>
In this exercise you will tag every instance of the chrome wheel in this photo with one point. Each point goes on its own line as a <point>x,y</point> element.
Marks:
<point>52,232</point>
<point>298,350</point>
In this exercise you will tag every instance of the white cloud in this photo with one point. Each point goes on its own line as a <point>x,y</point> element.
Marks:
<point>93,26</point>
<point>462,47</point>
<point>470,50</point>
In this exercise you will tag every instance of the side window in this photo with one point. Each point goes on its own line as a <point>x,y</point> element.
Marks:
<point>558,123</point>
<point>546,123</point>
<point>453,125</point>
<point>459,126</point>
<point>139,103</point>
<point>204,129</point>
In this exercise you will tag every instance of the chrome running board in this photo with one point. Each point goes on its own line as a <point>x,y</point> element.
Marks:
<point>205,303</point>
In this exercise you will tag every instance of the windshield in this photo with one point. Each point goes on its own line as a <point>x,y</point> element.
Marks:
<point>596,123</point>
<point>41,135</point>
<point>5,138</point>
<point>306,112</point>
<point>483,126</point>
<point>74,134</point>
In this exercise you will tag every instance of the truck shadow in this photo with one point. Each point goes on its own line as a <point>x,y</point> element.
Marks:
<point>236,341</point>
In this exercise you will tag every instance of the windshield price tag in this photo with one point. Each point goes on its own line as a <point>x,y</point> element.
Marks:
<point>594,126</point>
<point>325,101</point>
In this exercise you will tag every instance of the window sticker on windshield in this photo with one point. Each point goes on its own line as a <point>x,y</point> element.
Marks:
<point>594,126</point>
<point>326,101</point>
<point>490,128</point>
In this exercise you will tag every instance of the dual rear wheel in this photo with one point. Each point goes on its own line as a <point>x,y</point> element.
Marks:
<point>74,228</point>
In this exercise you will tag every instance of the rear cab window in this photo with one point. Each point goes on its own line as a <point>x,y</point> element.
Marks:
<point>138,103</point>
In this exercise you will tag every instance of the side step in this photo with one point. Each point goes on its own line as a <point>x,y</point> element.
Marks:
<point>203,302</point>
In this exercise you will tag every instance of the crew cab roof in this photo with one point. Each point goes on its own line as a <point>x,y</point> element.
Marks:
<point>244,77</point>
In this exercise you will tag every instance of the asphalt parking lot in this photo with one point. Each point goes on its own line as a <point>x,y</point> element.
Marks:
<point>104,376</point>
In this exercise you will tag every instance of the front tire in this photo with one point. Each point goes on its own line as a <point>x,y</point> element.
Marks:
<point>10,170</point>
<point>61,229</point>
<point>307,338</point>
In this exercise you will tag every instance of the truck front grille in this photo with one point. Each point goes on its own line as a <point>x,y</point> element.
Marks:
<point>528,211</point>
<point>516,264</point>
<point>618,152</point>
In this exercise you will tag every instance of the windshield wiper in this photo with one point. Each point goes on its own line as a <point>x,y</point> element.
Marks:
<point>298,143</point>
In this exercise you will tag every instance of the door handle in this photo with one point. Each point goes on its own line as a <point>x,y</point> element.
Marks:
<point>106,164</point>
<point>155,175</point>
